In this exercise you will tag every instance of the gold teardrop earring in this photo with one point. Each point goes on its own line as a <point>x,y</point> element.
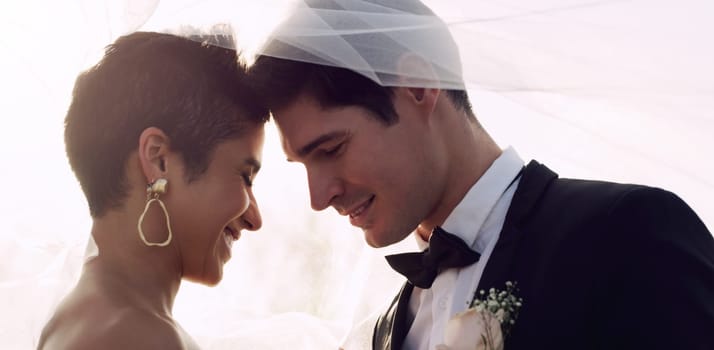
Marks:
<point>153,191</point>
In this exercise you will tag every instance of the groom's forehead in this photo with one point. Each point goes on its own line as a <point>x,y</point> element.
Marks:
<point>304,112</point>
<point>304,125</point>
<point>296,123</point>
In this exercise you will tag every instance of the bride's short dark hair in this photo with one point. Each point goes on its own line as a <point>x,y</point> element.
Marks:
<point>193,91</point>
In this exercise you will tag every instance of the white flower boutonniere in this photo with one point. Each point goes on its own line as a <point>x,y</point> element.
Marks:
<point>486,323</point>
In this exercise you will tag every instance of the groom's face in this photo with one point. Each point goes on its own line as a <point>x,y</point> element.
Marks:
<point>385,179</point>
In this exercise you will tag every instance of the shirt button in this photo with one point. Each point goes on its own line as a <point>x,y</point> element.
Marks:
<point>442,303</point>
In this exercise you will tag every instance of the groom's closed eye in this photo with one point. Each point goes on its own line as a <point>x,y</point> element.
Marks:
<point>333,151</point>
<point>326,145</point>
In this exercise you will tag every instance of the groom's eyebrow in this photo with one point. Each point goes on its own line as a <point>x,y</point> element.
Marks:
<point>307,149</point>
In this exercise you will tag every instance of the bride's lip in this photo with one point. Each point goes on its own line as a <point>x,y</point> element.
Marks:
<point>231,231</point>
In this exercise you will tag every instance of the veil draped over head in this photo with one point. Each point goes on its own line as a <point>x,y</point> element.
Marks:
<point>613,90</point>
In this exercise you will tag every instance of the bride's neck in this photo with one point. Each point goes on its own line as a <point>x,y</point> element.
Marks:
<point>147,276</point>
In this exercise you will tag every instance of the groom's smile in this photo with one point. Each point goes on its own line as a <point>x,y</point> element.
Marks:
<point>358,214</point>
<point>380,176</point>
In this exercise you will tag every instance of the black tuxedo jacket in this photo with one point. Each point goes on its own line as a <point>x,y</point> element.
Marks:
<point>599,266</point>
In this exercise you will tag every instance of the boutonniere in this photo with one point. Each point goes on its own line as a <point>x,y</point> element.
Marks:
<point>486,323</point>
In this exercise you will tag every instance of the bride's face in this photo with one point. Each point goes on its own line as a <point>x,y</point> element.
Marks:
<point>209,213</point>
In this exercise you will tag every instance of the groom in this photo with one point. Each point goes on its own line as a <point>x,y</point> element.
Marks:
<point>598,265</point>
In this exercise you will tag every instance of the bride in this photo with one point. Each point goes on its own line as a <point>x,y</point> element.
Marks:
<point>165,141</point>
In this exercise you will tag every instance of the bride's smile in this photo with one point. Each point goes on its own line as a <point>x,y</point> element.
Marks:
<point>206,230</point>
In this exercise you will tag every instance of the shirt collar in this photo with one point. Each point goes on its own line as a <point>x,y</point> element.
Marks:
<point>469,215</point>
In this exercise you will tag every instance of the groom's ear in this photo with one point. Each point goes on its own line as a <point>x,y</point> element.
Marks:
<point>153,153</point>
<point>417,104</point>
<point>418,81</point>
<point>414,70</point>
<point>426,97</point>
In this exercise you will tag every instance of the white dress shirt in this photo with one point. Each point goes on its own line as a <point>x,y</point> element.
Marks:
<point>478,220</point>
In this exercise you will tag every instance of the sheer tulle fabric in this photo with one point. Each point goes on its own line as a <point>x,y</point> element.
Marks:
<point>613,90</point>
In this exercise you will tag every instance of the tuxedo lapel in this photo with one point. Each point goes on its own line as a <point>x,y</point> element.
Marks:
<point>534,181</point>
<point>392,327</point>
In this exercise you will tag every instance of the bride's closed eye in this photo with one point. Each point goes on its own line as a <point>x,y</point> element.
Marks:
<point>247,174</point>
<point>248,170</point>
<point>247,179</point>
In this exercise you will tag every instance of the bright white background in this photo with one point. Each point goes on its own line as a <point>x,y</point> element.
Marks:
<point>305,277</point>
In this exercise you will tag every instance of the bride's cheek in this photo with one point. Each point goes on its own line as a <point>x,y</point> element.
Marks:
<point>243,201</point>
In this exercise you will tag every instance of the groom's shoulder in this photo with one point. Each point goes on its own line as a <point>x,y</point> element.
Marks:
<point>610,196</point>
<point>613,194</point>
<point>649,211</point>
<point>587,197</point>
<point>597,188</point>
<point>612,206</point>
<point>574,192</point>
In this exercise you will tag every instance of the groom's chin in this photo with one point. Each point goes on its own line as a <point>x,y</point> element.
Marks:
<point>372,243</point>
<point>377,239</point>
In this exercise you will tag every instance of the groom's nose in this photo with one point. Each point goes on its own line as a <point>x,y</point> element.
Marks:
<point>324,188</point>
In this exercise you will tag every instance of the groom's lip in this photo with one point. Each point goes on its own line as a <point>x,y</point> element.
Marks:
<point>357,213</point>
<point>356,208</point>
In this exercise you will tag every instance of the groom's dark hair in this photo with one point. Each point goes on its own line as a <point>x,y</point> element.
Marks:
<point>192,90</point>
<point>281,81</point>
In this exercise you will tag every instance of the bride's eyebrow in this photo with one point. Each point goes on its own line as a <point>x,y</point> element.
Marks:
<point>307,149</point>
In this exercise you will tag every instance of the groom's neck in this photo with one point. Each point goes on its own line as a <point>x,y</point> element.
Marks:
<point>470,151</point>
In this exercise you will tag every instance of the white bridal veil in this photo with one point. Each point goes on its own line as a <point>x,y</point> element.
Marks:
<point>613,90</point>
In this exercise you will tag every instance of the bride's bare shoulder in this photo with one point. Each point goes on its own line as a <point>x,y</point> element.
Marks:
<point>95,322</point>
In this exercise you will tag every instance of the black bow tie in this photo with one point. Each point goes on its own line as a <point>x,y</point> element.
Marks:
<point>445,251</point>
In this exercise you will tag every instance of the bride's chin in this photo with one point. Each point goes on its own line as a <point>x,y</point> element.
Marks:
<point>212,283</point>
<point>211,276</point>
<point>209,281</point>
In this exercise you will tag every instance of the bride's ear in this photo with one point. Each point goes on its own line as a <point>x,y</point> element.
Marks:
<point>153,153</point>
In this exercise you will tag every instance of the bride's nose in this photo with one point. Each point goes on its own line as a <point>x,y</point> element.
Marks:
<point>251,220</point>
